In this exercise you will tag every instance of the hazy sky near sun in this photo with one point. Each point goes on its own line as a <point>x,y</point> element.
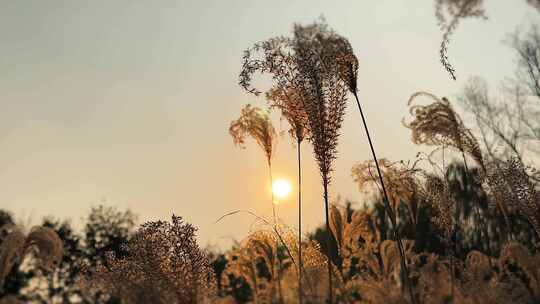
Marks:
<point>129,102</point>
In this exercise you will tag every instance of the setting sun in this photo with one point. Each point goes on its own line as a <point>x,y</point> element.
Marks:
<point>281,188</point>
<point>258,165</point>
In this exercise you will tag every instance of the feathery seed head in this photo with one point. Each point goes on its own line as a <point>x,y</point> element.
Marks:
<point>11,253</point>
<point>49,246</point>
<point>256,123</point>
<point>317,50</point>
<point>290,102</point>
<point>511,188</point>
<point>455,10</point>
<point>436,192</point>
<point>276,58</point>
<point>164,265</point>
<point>399,178</point>
<point>438,124</point>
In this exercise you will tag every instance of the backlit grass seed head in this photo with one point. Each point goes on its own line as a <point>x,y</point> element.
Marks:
<point>314,276</point>
<point>347,230</point>
<point>513,191</point>
<point>437,124</point>
<point>325,90</point>
<point>435,192</point>
<point>256,123</point>
<point>272,56</point>
<point>498,189</point>
<point>264,244</point>
<point>337,48</point>
<point>260,248</point>
<point>348,70</point>
<point>449,13</point>
<point>164,264</point>
<point>399,179</point>
<point>290,103</point>
<point>445,9</point>
<point>275,57</point>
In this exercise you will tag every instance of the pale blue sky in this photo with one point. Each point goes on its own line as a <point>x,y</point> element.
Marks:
<point>130,101</point>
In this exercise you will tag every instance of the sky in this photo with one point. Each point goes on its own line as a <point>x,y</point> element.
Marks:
<point>128,103</point>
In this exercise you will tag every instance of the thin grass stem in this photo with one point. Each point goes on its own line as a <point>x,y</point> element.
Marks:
<point>300,265</point>
<point>387,206</point>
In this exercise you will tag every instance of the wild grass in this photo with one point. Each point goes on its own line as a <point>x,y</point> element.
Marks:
<point>312,72</point>
<point>163,264</point>
<point>287,96</point>
<point>416,241</point>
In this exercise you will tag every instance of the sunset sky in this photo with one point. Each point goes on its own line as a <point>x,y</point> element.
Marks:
<point>129,102</point>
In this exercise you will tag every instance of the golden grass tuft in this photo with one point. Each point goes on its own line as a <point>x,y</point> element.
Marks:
<point>255,122</point>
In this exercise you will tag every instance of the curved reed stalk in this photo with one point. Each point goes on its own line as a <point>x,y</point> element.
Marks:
<point>457,10</point>
<point>387,204</point>
<point>347,67</point>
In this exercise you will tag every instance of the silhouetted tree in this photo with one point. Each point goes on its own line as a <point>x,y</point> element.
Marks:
<point>106,230</point>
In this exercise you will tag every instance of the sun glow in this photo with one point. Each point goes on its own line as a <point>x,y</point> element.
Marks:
<point>281,188</point>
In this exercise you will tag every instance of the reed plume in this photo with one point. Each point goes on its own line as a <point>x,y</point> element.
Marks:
<point>255,122</point>
<point>449,13</point>
<point>314,272</point>
<point>436,192</point>
<point>324,103</point>
<point>271,278</point>
<point>513,191</point>
<point>347,229</point>
<point>276,58</point>
<point>400,179</point>
<point>437,124</point>
<point>264,245</point>
<point>164,264</point>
